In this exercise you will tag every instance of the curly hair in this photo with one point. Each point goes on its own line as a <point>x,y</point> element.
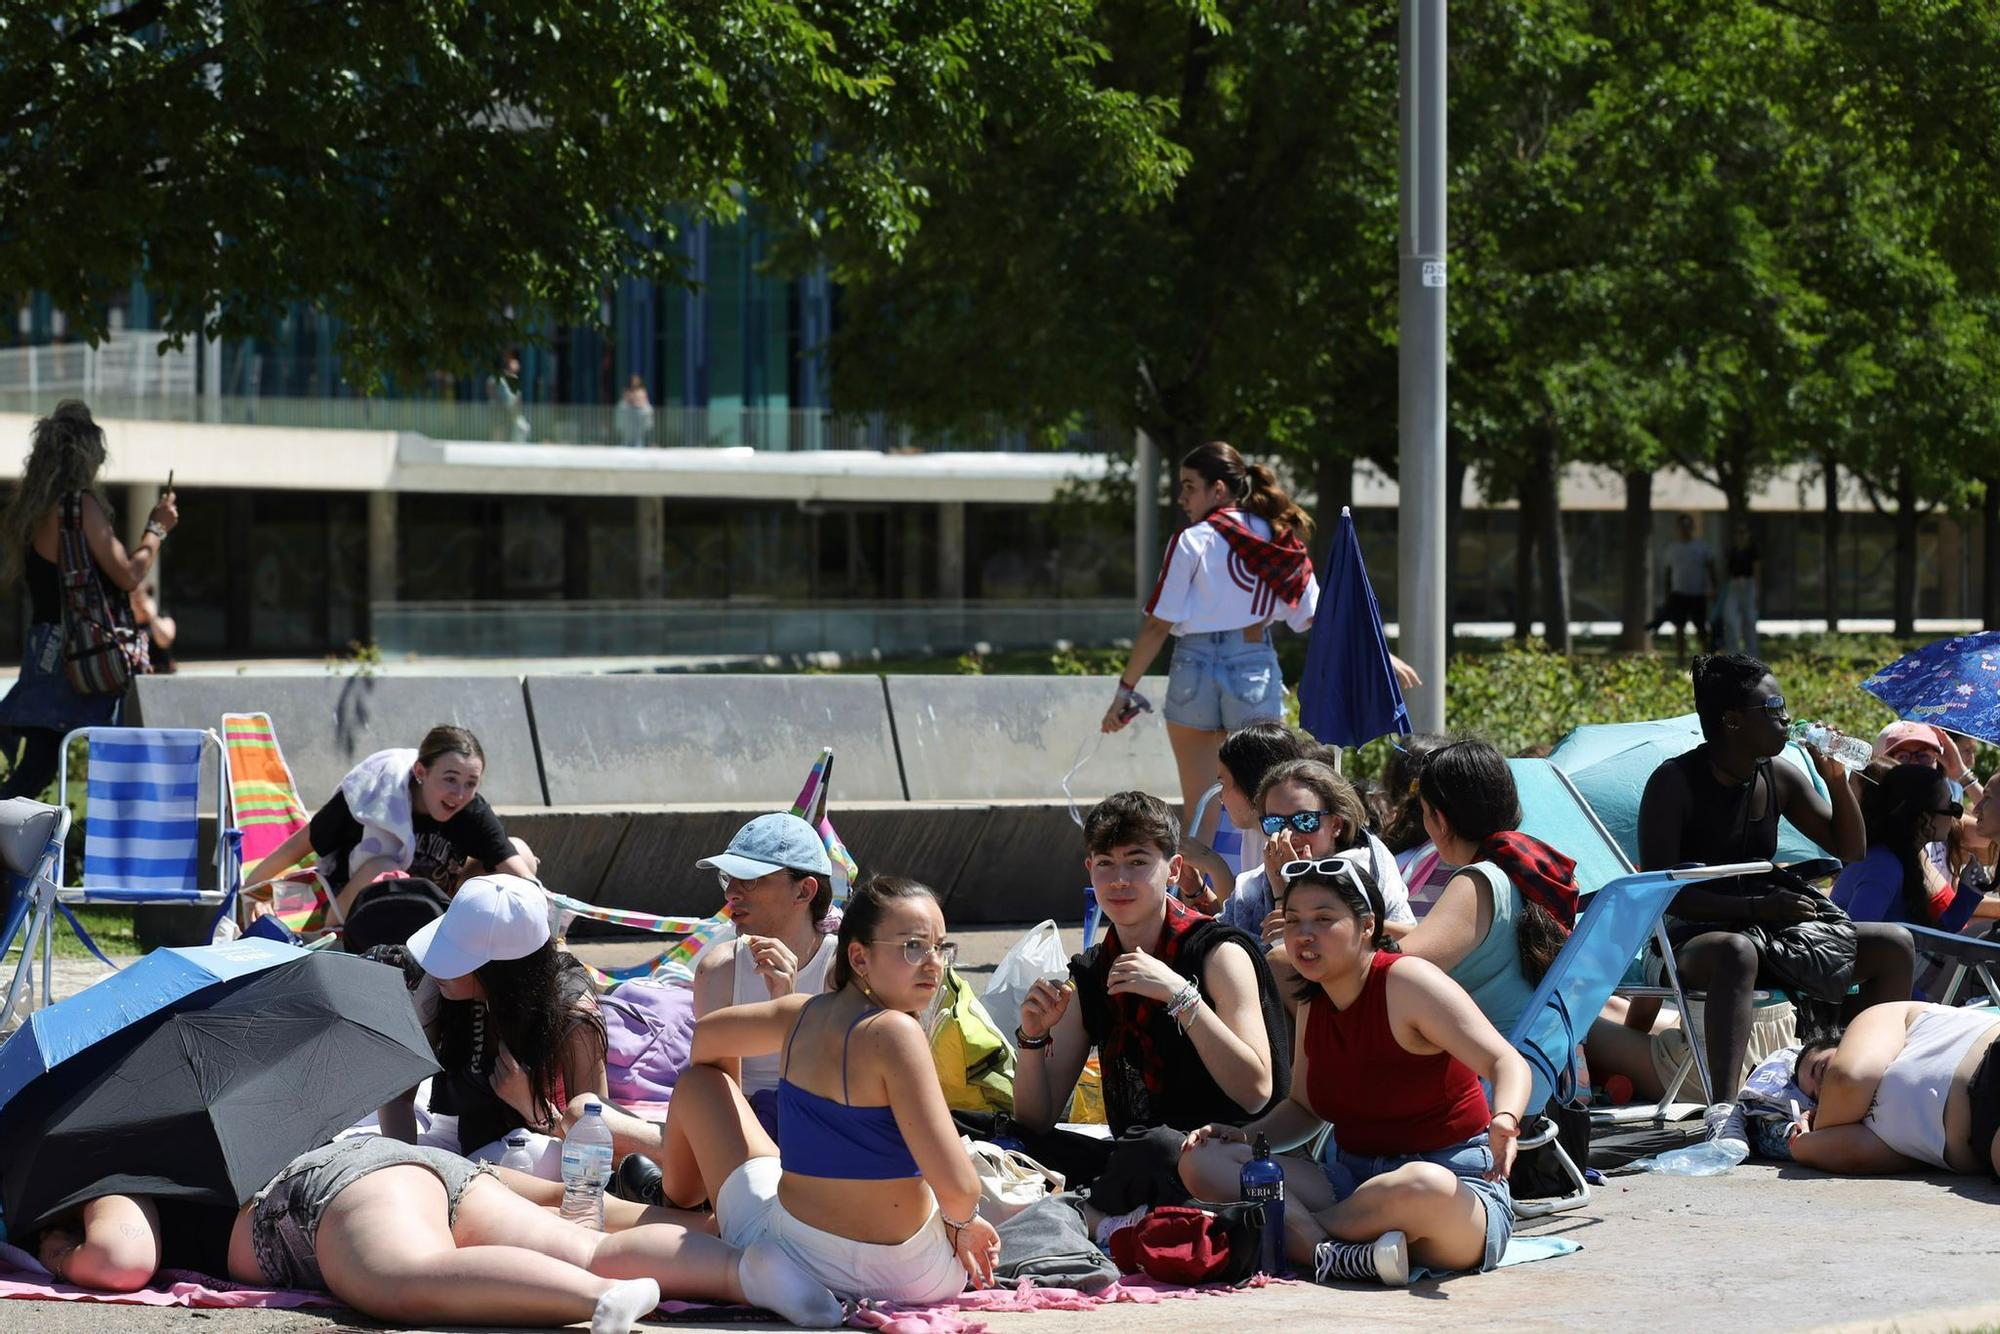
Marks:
<point>534,1006</point>
<point>65,453</point>
<point>1403,828</point>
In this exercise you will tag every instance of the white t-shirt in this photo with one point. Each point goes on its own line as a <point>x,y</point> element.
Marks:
<point>1203,587</point>
<point>1253,901</point>
<point>747,988</point>
<point>1689,564</point>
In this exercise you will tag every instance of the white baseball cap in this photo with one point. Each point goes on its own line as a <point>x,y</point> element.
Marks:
<point>491,917</point>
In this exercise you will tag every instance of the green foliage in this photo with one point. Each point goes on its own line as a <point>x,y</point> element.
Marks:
<point>447,178</point>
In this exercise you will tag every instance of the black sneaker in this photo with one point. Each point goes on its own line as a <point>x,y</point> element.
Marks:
<point>639,1180</point>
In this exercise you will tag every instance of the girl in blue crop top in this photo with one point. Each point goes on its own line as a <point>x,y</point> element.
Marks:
<point>873,1193</point>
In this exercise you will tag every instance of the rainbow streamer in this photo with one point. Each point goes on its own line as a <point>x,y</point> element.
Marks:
<point>811,807</point>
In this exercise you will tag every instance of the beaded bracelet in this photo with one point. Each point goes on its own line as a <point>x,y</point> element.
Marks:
<point>954,1224</point>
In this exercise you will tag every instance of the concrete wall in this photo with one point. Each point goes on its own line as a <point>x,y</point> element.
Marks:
<point>622,783</point>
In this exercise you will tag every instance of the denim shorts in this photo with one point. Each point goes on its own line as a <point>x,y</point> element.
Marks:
<point>284,1223</point>
<point>1219,683</point>
<point>1468,1161</point>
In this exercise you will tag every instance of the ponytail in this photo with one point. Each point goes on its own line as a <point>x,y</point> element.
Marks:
<point>1251,485</point>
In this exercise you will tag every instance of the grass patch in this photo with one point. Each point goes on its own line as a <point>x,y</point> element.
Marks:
<point>111,928</point>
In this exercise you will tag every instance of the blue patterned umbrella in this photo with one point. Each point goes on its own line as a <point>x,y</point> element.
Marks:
<point>1954,683</point>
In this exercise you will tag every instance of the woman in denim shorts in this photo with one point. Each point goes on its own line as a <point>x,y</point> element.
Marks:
<point>1237,568</point>
<point>415,1235</point>
<point>1391,1052</point>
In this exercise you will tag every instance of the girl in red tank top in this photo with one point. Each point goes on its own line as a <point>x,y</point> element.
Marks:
<point>1391,1051</point>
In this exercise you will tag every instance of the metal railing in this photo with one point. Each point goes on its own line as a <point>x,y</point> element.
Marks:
<point>721,629</point>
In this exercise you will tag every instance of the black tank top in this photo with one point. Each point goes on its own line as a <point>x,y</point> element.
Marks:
<point>44,589</point>
<point>1727,823</point>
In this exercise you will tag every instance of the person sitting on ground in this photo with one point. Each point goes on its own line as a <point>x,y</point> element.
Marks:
<point>1907,1086</point>
<point>418,811</point>
<point>1187,1022</point>
<point>1390,1052</point>
<point>1247,754</point>
<point>1905,809</point>
<point>1719,804</point>
<point>1502,919</point>
<point>777,888</point>
<point>512,1020</point>
<point>1309,812</point>
<point>1970,854</point>
<point>1423,871</point>
<point>872,1193</point>
<point>417,1236</point>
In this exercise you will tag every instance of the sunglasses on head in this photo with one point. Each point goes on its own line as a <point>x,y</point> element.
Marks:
<point>1304,822</point>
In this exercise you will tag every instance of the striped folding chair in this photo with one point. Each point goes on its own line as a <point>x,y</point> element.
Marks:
<point>142,821</point>
<point>264,801</point>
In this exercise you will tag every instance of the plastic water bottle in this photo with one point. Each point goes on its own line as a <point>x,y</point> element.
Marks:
<point>1263,1182</point>
<point>518,1155</point>
<point>1834,744</point>
<point>586,1167</point>
<point>1710,1158</point>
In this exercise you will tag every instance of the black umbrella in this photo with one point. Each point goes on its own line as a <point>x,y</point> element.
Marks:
<point>207,1098</point>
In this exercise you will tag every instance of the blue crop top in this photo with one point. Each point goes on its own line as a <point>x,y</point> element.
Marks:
<point>819,1137</point>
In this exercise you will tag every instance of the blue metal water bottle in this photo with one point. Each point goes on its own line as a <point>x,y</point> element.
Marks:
<point>1263,1182</point>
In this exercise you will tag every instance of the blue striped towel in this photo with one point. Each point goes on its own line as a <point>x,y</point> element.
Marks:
<point>141,833</point>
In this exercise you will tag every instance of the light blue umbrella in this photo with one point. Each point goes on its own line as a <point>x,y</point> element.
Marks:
<point>1553,811</point>
<point>53,1035</point>
<point>1610,764</point>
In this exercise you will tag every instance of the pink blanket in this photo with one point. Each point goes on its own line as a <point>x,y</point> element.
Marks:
<point>21,1278</point>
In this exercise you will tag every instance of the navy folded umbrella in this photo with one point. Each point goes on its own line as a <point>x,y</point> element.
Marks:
<point>207,1096</point>
<point>1348,694</point>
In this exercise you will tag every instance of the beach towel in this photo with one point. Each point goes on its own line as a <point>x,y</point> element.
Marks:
<point>23,1279</point>
<point>378,797</point>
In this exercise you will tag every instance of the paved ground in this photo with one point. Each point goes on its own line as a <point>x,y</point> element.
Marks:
<point>1761,1248</point>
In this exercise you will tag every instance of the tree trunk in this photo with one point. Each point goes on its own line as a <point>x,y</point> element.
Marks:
<point>1524,559</point>
<point>1830,545</point>
<point>1989,556</point>
<point>1454,516</point>
<point>1906,553</point>
<point>1636,585</point>
<point>1554,552</point>
<point>1333,488</point>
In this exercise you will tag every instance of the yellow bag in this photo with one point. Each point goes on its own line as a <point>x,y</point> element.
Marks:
<point>975,1064</point>
<point>1086,1105</point>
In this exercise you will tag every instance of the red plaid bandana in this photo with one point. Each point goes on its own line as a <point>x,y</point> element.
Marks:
<point>1280,562</point>
<point>1133,1018</point>
<point>1544,875</point>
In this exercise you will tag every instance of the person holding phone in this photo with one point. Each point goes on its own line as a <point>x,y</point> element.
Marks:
<point>65,456</point>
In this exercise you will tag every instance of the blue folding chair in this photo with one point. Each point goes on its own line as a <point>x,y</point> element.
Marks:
<point>1613,926</point>
<point>31,843</point>
<point>142,823</point>
<point>1973,955</point>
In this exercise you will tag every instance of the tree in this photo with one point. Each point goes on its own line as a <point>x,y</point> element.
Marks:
<point>445,178</point>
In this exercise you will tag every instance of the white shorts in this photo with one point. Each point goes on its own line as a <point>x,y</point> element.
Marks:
<point>919,1272</point>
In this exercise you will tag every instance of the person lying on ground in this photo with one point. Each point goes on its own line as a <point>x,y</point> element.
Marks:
<point>1309,812</point>
<point>417,811</point>
<point>1247,754</point>
<point>1503,918</point>
<point>1908,1086</point>
<point>1390,1052</point>
<point>1187,1022</point>
<point>872,1194</point>
<point>418,1236</point>
<point>1719,804</point>
<point>777,888</point>
<point>512,1020</point>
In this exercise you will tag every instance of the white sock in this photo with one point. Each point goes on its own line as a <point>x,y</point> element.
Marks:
<point>623,1305</point>
<point>1118,1223</point>
<point>774,1281</point>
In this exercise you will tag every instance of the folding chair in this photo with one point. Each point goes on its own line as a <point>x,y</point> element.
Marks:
<point>1613,926</point>
<point>31,842</point>
<point>1966,954</point>
<point>142,822</point>
<point>264,803</point>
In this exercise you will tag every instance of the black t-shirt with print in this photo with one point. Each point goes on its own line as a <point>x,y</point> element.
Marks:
<point>441,850</point>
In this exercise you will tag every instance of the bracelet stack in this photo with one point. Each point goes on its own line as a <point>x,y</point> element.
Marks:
<point>157,529</point>
<point>1026,1043</point>
<point>1181,1008</point>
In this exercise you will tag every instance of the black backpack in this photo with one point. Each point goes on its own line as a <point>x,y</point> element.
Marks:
<point>389,912</point>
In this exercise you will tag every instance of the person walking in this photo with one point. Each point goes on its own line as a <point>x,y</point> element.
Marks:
<point>58,491</point>
<point>1690,586</point>
<point>635,414</point>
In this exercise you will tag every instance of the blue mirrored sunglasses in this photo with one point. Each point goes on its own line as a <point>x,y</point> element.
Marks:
<point>1304,822</point>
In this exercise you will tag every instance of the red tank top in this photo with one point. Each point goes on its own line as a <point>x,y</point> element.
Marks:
<point>1381,1099</point>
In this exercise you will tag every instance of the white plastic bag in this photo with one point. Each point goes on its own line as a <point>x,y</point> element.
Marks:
<point>1038,954</point>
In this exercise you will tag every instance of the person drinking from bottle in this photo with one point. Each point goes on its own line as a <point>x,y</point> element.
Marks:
<point>1390,1052</point>
<point>1720,804</point>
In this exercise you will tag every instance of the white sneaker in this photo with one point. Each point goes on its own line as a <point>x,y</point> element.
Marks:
<point>1725,1121</point>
